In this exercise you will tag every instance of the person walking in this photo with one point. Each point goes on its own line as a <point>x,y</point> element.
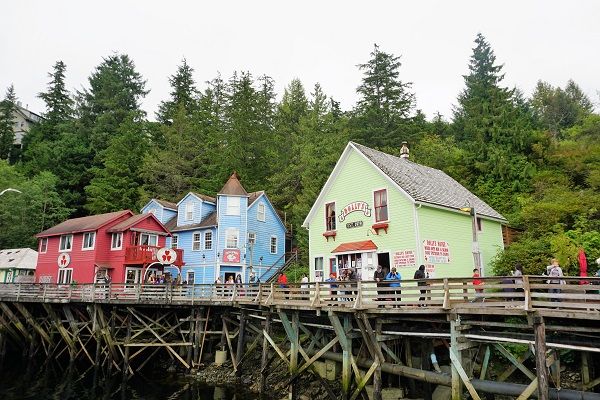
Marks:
<point>394,278</point>
<point>555,274</point>
<point>332,286</point>
<point>283,282</point>
<point>518,280</point>
<point>304,287</point>
<point>477,282</point>
<point>420,276</point>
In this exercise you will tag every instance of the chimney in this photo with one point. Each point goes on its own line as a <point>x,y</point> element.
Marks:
<point>404,150</point>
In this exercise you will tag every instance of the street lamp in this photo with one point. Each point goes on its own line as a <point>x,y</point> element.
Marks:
<point>10,190</point>
<point>475,244</point>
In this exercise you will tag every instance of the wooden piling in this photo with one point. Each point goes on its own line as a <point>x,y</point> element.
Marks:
<point>456,383</point>
<point>539,330</point>
<point>241,341</point>
<point>265,355</point>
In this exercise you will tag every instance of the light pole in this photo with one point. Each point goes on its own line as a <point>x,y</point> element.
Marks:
<point>10,190</point>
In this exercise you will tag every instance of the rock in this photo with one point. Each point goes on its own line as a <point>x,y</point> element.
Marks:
<point>442,393</point>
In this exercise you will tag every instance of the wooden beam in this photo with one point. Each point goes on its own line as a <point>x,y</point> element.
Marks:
<point>540,357</point>
<point>463,375</point>
<point>275,347</point>
<point>485,363</point>
<point>514,361</point>
<point>532,387</point>
<point>228,340</point>
<point>265,355</point>
<point>241,341</point>
<point>31,321</point>
<point>365,379</point>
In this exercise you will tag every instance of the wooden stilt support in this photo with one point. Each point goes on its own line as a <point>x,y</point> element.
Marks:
<point>539,330</point>
<point>346,344</point>
<point>377,382</point>
<point>412,390</point>
<point>241,341</point>
<point>192,337</point>
<point>291,330</point>
<point>126,368</point>
<point>265,354</point>
<point>426,351</point>
<point>455,355</point>
<point>585,368</point>
<point>485,363</point>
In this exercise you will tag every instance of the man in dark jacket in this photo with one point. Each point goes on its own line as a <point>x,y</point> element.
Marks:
<point>379,277</point>
<point>420,274</point>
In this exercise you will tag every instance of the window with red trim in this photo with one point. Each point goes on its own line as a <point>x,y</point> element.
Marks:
<point>330,216</point>
<point>381,209</point>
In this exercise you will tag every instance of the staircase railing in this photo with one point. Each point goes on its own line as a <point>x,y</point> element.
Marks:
<point>290,258</point>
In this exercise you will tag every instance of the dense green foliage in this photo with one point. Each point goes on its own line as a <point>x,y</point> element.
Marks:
<point>536,160</point>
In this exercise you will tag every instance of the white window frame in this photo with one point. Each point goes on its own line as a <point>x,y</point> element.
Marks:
<point>175,241</point>
<point>334,216</point>
<point>233,205</point>
<point>43,245</point>
<point>387,206</point>
<point>252,238</point>
<point>319,271</point>
<point>230,235</point>
<point>66,273</point>
<point>271,244</point>
<point>196,244</point>
<point>189,211</point>
<point>83,242</point>
<point>118,235</point>
<point>187,276</point>
<point>210,240</point>
<point>150,236</point>
<point>61,248</point>
<point>261,212</point>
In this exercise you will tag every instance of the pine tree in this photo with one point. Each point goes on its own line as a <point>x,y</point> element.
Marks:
<point>385,102</point>
<point>7,118</point>
<point>59,104</point>
<point>183,93</point>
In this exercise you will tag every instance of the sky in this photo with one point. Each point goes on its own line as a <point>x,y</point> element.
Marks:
<point>314,41</point>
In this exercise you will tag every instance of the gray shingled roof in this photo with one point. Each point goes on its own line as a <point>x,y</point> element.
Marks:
<point>426,184</point>
<point>83,224</point>
<point>167,204</point>
<point>210,220</point>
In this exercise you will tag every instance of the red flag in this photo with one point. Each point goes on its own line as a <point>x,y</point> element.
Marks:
<point>582,263</point>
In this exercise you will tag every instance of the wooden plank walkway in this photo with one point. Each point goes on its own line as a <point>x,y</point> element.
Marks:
<point>574,298</point>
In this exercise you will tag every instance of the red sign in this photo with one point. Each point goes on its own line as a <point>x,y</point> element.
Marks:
<point>64,259</point>
<point>231,255</point>
<point>166,255</point>
<point>362,206</point>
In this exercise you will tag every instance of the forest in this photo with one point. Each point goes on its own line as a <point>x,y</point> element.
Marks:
<point>534,159</point>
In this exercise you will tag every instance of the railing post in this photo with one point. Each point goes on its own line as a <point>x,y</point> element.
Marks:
<point>44,292</point>
<point>93,292</point>
<point>18,291</point>
<point>317,299</point>
<point>527,294</point>
<point>358,301</point>
<point>138,292</point>
<point>272,292</point>
<point>234,292</point>
<point>446,304</point>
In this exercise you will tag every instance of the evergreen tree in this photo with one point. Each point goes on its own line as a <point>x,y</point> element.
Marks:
<point>117,185</point>
<point>385,103</point>
<point>7,119</point>
<point>183,93</point>
<point>40,141</point>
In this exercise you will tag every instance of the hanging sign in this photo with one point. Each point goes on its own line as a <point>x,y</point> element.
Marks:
<point>436,251</point>
<point>361,206</point>
<point>231,255</point>
<point>355,224</point>
<point>166,255</point>
<point>64,259</point>
<point>404,258</point>
<point>430,271</point>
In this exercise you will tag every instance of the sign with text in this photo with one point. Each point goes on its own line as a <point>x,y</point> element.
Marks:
<point>430,271</point>
<point>404,258</point>
<point>231,255</point>
<point>361,206</point>
<point>355,224</point>
<point>436,251</point>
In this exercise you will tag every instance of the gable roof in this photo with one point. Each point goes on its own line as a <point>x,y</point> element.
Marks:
<point>18,258</point>
<point>252,197</point>
<point>233,187</point>
<point>205,197</point>
<point>421,184</point>
<point>209,221</point>
<point>131,221</point>
<point>83,224</point>
<point>167,204</point>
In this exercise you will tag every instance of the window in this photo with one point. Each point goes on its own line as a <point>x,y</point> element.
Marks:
<point>66,242</point>
<point>196,241</point>
<point>251,238</point>
<point>273,245</point>
<point>233,206</point>
<point>260,213</point>
<point>174,241</point>
<point>43,245</point>
<point>189,211</point>
<point>116,241</point>
<point>330,216</point>
<point>318,267</point>
<point>381,209</point>
<point>207,240</point>
<point>191,277</point>
<point>232,238</point>
<point>88,241</point>
<point>147,239</point>
<point>65,275</point>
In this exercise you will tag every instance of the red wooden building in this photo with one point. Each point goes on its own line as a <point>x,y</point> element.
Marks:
<point>120,245</point>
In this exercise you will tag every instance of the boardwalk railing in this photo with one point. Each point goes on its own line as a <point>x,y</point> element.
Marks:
<point>494,295</point>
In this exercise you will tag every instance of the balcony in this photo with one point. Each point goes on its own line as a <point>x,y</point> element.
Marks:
<point>148,255</point>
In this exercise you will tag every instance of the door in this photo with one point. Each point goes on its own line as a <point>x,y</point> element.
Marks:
<point>383,259</point>
<point>191,277</point>
<point>333,266</point>
<point>133,276</point>
<point>65,275</point>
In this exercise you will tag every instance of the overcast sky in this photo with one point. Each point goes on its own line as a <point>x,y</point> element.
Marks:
<point>315,41</point>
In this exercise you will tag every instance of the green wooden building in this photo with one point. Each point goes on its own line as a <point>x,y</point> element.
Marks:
<point>379,209</point>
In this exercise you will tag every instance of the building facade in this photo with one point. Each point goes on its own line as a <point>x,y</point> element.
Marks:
<point>119,246</point>
<point>235,233</point>
<point>17,265</point>
<point>378,209</point>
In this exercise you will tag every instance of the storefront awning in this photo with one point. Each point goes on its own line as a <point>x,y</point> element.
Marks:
<point>366,245</point>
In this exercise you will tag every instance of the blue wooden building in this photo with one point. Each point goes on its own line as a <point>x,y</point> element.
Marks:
<point>235,233</point>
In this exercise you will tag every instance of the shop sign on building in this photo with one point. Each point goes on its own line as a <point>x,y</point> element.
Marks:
<point>355,224</point>
<point>361,206</point>
<point>436,251</point>
<point>231,255</point>
<point>404,258</point>
<point>430,271</point>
